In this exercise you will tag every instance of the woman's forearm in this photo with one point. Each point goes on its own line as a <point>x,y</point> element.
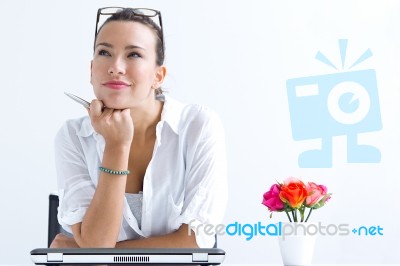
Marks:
<point>101,224</point>
<point>177,239</point>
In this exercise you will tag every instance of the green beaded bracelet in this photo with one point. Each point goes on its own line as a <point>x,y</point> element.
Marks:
<point>112,172</point>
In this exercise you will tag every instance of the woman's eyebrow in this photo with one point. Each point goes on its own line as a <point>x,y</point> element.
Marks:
<point>106,44</point>
<point>129,47</point>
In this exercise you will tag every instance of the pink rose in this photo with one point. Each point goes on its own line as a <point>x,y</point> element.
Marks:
<point>271,198</point>
<point>315,193</point>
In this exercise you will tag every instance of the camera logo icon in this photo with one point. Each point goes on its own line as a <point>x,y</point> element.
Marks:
<point>337,104</point>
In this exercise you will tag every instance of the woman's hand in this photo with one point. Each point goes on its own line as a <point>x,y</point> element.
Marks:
<point>63,241</point>
<point>115,126</point>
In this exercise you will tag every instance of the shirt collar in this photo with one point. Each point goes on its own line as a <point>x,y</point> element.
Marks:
<point>171,114</point>
<point>86,128</point>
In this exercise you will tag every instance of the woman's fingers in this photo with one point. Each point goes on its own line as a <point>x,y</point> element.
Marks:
<point>98,111</point>
<point>96,107</point>
<point>114,125</point>
<point>106,113</point>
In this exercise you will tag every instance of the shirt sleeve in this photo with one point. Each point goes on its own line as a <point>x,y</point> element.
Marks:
<point>206,194</point>
<point>75,187</point>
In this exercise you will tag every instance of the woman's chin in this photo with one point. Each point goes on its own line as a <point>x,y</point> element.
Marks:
<point>115,104</point>
<point>120,105</point>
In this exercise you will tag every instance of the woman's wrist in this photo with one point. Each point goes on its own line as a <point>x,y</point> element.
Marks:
<point>116,157</point>
<point>118,148</point>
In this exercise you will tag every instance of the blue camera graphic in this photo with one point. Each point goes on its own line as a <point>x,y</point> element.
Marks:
<point>325,106</point>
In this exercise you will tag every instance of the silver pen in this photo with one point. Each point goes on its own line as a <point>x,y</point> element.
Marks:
<point>77,99</point>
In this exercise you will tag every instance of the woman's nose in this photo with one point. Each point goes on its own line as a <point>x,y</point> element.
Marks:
<point>117,67</point>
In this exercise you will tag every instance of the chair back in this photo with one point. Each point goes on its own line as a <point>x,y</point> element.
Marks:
<point>54,226</point>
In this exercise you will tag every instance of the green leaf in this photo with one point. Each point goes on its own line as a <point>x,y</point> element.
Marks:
<point>322,202</point>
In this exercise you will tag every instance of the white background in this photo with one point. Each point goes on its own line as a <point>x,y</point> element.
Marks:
<point>234,56</point>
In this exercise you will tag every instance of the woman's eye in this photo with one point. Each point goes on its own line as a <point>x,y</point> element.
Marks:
<point>134,54</point>
<point>103,52</point>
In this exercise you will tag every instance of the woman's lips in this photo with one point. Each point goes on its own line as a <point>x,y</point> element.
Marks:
<point>116,84</point>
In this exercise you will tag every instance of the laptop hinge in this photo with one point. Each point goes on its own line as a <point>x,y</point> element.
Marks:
<point>54,257</point>
<point>200,257</point>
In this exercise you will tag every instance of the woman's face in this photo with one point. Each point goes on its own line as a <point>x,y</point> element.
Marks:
<point>124,72</point>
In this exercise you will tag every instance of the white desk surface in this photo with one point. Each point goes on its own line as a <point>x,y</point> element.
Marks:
<point>229,264</point>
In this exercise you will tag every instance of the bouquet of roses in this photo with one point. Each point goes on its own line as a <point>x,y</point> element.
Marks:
<point>293,197</point>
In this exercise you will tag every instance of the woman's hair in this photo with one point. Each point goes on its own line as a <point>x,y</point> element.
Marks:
<point>128,14</point>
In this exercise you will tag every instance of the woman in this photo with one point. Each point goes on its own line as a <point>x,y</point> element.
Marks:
<point>175,153</point>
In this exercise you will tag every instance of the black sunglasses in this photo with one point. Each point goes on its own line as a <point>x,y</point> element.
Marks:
<point>141,12</point>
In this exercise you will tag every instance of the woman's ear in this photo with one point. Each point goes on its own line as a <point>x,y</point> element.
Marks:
<point>159,77</point>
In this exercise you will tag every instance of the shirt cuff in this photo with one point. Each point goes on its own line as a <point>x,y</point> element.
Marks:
<point>67,220</point>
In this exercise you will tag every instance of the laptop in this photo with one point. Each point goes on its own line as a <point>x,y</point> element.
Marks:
<point>188,256</point>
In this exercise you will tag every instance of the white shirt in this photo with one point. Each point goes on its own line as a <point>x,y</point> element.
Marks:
<point>185,180</point>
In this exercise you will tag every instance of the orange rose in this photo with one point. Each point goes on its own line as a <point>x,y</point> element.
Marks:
<point>293,192</point>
